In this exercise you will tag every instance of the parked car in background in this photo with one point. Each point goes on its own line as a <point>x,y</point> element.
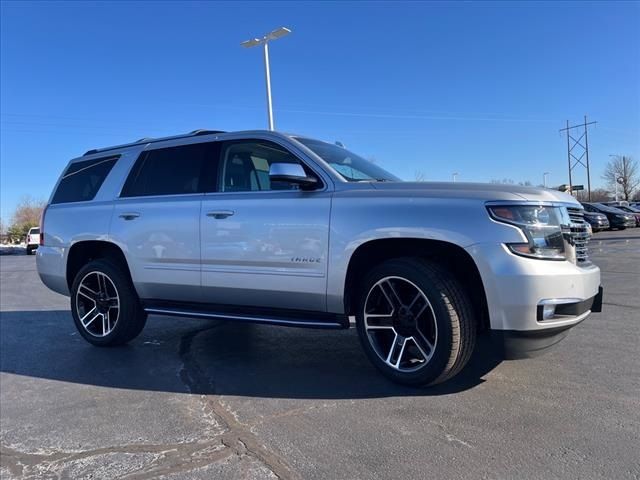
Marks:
<point>617,218</point>
<point>598,221</point>
<point>633,211</point>
<point>33,239</point>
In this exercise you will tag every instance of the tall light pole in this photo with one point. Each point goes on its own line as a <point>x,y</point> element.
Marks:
<point>617,179</point>
<point>264,41</point>
<point>454,176</point>
<point>544,179</point>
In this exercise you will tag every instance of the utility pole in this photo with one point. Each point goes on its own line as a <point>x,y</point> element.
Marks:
<point>575,155</point>
<point>454,176</point>
<point>544,179</point>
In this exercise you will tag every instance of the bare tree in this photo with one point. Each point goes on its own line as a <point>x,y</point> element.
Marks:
<point>26,215</point>
<point>420,176</point>
<point>622,170</point>
<point>600,195</point>
<point>504,181</point>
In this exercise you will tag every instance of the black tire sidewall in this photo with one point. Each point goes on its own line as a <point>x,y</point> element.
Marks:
<point>444,343</point>
<point>130,314</point>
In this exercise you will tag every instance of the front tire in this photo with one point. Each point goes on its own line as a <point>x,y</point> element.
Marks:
<point>105,307</point>
<point>415,322</point>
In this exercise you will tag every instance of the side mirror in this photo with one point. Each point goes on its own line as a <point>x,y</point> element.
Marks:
<point>291,173</point>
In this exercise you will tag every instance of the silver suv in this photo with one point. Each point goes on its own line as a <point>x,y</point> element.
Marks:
<point>282,229</point>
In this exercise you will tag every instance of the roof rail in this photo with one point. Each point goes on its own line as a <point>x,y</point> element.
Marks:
<point>205,132</point>
<point>145,140</point>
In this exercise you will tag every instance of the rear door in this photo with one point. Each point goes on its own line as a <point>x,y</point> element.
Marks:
<point>157,219</point>
<point>263,244</point>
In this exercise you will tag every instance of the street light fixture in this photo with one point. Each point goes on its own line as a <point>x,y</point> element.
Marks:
<point>454,176</point>
<point>264,41</point>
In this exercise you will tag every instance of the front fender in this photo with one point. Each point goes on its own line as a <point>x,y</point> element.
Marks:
<point>360,217</point>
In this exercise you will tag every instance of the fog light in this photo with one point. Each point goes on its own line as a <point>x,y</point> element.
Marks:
<point>548,311</point>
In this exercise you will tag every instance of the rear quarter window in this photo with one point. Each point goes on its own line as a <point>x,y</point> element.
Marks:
<point>82,180</point>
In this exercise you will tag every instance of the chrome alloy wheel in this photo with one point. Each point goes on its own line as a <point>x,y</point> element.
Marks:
<point>97,304</point>
<point>400,324</point>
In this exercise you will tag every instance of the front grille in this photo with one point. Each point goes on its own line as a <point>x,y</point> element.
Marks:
<point>580,235</point>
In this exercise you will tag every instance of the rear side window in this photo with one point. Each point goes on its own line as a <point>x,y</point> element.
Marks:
<point>173,171</point>
<point>34,231</point>
<point>82,180</point>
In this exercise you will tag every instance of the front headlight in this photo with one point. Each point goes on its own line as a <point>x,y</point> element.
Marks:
<point>543,226</point>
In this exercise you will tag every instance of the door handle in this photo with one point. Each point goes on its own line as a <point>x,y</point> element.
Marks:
<point>220,214</point>
<point>129,215</point>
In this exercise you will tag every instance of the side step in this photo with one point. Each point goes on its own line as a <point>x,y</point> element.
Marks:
<point>266,316</point>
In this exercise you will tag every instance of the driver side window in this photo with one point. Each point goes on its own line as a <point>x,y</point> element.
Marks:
<point>245,166</point>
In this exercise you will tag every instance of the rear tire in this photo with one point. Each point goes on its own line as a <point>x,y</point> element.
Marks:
<point>105,307</point>
<point>415,321</point>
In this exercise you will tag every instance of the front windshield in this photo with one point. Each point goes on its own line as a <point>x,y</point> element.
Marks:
<point>350,166</point>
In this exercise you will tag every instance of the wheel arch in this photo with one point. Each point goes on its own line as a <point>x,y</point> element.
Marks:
<point>85,251</point>
<point>449,255</point>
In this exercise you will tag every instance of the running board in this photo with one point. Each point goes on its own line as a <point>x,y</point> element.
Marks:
<point>317,320</point>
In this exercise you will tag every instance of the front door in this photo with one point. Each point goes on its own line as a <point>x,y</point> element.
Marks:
<point>263,244</point>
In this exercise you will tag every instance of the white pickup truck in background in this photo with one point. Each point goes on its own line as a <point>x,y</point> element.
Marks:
<point>33,239</point>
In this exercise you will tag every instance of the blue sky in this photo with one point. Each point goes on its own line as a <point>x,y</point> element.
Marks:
<point>475,88</point>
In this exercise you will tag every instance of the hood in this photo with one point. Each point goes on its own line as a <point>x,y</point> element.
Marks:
<point>484,191</point>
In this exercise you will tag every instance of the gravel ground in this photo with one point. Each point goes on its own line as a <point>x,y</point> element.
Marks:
<point>200,399</point>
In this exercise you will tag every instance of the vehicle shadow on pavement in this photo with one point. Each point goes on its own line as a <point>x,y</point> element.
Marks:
<point>212,357</point>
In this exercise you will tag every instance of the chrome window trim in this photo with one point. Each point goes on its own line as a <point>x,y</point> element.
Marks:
<point>157,197</point>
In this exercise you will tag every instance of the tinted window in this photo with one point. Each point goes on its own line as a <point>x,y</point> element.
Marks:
<point>34,231</point>
<point>82,180</point>
<point>173,171</point>
<point>245,166</point>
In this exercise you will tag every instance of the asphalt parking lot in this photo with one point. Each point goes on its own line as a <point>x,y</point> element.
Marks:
<point>202,399</point>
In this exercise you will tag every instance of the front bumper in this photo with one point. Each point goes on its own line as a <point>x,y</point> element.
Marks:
<point>516,287</point>
<point>600,225</point>
<point>516,344</point>
<point>620,223</point>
